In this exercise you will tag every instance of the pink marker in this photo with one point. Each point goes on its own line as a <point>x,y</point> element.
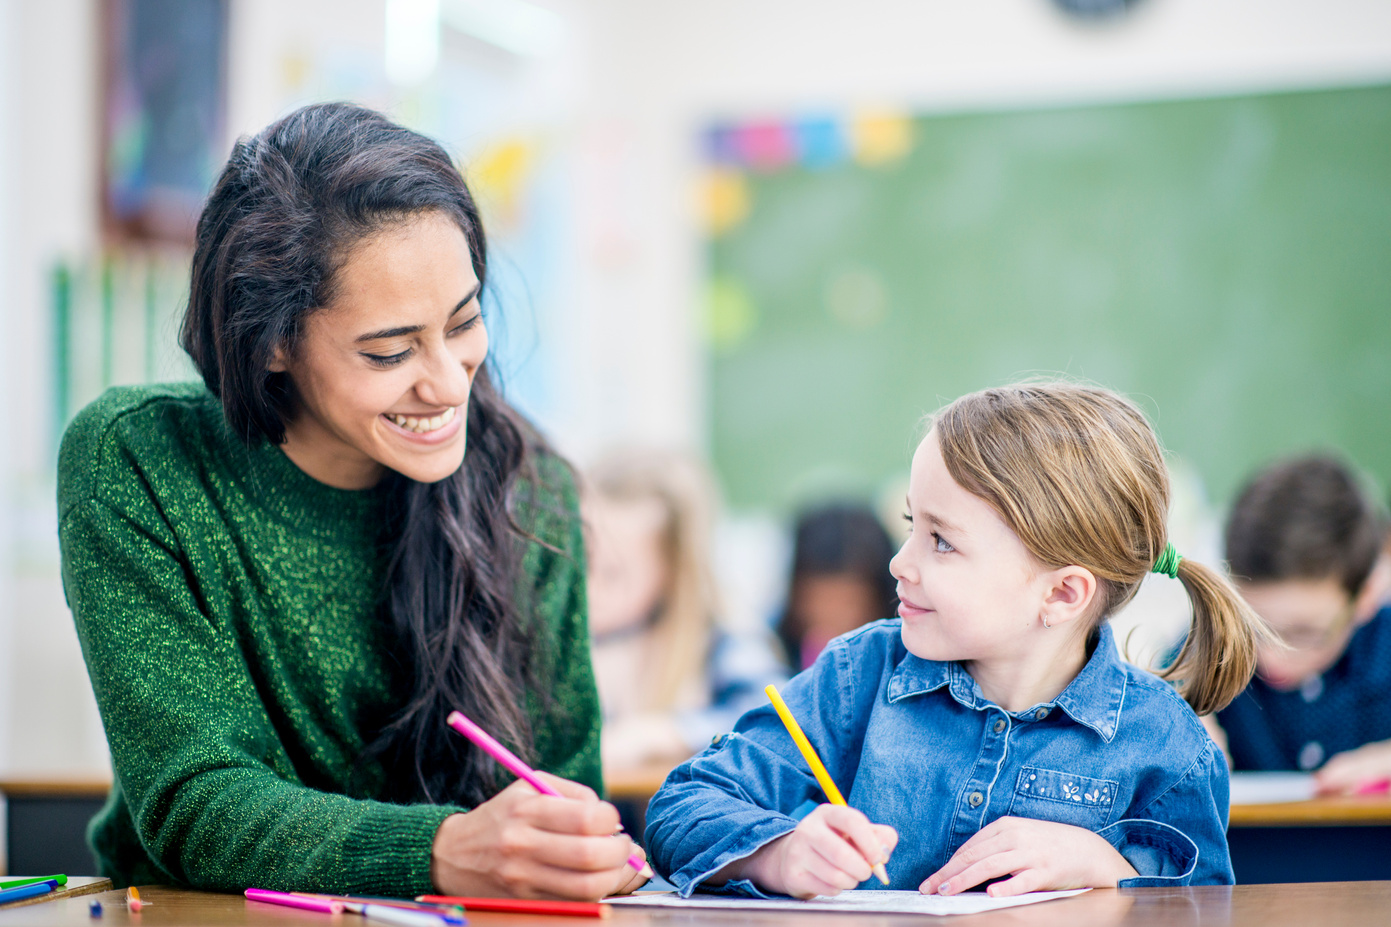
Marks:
<point>322,905</point>
<point>514,765</point>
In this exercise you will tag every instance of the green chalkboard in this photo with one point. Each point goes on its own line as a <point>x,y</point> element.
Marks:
<point>1226,262</point>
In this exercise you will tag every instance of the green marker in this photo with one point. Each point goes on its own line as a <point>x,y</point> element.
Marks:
<point>15,883</point>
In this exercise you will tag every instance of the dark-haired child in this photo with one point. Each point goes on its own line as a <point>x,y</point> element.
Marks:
<point>1307,545</point>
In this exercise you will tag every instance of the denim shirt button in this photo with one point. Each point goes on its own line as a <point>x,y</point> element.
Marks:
<point>999,726</point>
<point>715,741</point>
<point>975,798</point>
<point>1041,714</point>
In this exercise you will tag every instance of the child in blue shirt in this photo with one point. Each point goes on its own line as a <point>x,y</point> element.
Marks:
<point>1306,543</point>
<point>991,731</point>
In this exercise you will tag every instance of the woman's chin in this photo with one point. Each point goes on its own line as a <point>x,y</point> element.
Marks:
<point>428,467</point>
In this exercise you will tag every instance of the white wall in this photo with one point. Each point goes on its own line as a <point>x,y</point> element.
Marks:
<point>641,77</point>
<point>48,172</point>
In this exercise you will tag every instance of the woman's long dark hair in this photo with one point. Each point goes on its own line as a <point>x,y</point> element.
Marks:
<point>289,205</point>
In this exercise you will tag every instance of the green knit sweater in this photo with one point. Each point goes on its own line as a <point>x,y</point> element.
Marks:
<point>227,604</point>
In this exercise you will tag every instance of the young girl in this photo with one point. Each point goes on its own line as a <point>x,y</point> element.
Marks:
<point>992,731</point>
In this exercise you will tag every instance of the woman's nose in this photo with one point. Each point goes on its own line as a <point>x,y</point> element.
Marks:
<point>446,381</point>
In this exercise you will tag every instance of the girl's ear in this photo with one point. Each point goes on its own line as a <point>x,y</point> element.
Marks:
<point>1069,594</point>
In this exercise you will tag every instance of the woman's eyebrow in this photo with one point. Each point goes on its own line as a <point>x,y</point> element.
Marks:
<point>412,329</point>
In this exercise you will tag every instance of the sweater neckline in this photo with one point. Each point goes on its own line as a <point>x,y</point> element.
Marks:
<point>283,489</point>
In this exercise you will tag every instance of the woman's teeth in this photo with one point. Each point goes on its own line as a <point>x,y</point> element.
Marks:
<point>424,425</point>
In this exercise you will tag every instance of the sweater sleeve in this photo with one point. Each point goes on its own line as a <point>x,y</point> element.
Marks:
<point>210,787</point>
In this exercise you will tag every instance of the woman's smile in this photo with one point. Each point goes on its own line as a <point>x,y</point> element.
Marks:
<point>426,429</point>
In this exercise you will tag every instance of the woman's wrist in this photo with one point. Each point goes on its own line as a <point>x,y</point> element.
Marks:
<point>450,845</point>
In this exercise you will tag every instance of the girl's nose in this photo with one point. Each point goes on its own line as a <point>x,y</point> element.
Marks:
<point>899,566</point>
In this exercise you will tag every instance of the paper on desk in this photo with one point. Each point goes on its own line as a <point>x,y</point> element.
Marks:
<point>861,902</point>
<point>1269,788</point>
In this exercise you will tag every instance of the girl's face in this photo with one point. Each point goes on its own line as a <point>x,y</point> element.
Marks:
<point>382,374</point>
<point>629,573</point>
<point>967,587</point>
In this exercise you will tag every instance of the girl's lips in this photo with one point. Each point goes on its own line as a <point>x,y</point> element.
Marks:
<point>908,610</point>
<point>439,436</point>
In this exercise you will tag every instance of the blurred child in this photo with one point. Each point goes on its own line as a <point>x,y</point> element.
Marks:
<point>993,724</point>
<point>1307,547</point>
<point>669,677</point>
<point>840,579</point>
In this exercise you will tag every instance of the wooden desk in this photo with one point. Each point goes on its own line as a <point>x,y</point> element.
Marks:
<point>46,822</point>
<point>1321,839</point>
<point>1343,904</point>
<point>1368,810</point>
<point>637,784</point>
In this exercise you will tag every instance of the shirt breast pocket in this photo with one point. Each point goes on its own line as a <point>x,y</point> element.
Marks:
<point>1050,795</point>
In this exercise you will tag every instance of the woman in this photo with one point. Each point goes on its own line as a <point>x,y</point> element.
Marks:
<point>283,581</point>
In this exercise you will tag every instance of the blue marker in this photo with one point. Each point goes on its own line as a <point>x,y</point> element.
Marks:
<point>32,890</point>
<point>94,908</point>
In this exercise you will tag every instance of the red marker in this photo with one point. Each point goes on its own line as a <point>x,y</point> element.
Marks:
<point>523,906</point>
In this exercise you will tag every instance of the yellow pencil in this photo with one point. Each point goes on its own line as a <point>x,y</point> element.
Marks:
<point>818,769</point>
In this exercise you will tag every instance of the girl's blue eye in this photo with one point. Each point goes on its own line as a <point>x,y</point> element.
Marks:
<point>943,546</point>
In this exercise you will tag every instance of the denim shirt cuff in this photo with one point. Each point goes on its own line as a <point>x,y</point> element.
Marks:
<point>690,878</point>
<point>1161,854</point>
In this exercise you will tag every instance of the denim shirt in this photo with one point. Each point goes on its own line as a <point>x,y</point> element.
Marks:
<point>914,744</point>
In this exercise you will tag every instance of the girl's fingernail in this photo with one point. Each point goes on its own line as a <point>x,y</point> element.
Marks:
<point>944,888</point>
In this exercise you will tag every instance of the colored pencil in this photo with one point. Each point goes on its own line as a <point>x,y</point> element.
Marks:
<point>818,769</point>
<point>32,890</point>
<point>523,905</point>
<point>15,883</point>
<point>514,765</point>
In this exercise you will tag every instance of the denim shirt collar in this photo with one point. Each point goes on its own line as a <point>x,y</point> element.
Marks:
<point>1093,698</point>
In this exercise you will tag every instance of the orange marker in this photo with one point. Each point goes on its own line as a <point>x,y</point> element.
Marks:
<point>133,902</point>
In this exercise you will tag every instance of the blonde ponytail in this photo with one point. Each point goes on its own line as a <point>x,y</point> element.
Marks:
<point>1219,655</point>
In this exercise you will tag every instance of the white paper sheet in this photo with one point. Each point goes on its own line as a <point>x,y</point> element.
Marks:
<point>859,902</point>
<point>1268,788</point>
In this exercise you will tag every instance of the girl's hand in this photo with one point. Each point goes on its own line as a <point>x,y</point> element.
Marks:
<point>832,849</point>
<point>1366,769</point>
<point>522,844</point>
<point>1041,855</point>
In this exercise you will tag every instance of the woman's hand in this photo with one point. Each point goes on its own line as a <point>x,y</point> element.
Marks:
<point>1366,769</point>
<point>1040,855</point>
<point>521,844</point>
<point>832,849</point>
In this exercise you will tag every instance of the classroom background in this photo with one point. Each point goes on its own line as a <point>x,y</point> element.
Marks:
<point>770,233</point>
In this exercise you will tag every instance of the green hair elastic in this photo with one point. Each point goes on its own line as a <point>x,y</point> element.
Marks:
<point>1168,562</point>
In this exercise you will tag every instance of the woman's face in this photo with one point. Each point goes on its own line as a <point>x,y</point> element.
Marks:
<point>382,373</point>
